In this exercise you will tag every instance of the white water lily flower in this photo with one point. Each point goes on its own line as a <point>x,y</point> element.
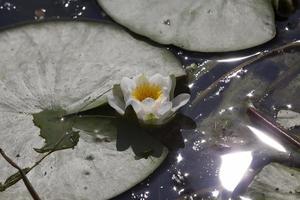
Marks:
<point>150,98</point>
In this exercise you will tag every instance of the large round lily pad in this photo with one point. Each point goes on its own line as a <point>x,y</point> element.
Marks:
<point>197,25</point>
<point>68,65</point>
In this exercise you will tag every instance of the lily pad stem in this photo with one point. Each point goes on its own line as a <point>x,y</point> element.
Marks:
<point>254,113</point>
<point>47,154</point>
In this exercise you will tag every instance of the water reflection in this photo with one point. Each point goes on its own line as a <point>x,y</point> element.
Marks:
<point>141,196</point>
<point>265,138</point>
<point>235,59</point>
<point>179,158</point>
<point>7,5</point>
<point>250,94</point>
<point>39,14</point>
<point>245,198</point>
<point>233,168</point>
<point>215,193</point>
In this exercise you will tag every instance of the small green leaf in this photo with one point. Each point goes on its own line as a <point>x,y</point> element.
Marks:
<point>13,179</point>
<point>53,128</point>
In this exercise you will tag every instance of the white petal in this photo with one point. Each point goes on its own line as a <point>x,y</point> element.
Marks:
<point>140,79</point>
<point>161,111</point>
<point>180,101</point>
<point>160,80</point>
<point>164,112</point>
<point>162,99</point>
<point>148,102</point>
<point>137,106</point>
<point>127,85</point>
<point>164,108</point>
<point>115,104</point>
<point>148,105</point>
<point>164,81</point>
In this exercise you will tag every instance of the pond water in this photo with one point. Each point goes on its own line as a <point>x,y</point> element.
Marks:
<point>226,141</point>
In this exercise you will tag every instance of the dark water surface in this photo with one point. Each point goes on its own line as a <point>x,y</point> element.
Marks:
<point>194,171</point>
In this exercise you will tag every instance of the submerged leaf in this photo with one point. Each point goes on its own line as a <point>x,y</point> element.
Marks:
<point>53,128</point>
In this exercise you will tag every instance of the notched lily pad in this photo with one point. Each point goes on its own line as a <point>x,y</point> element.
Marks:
<point>54,128</point>
<point>64,70</point>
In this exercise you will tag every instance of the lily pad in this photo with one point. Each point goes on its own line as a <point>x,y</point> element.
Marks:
<point>285,183</point>
<point>207,26</point>
<point>51,66</point>
<point>288,118</point>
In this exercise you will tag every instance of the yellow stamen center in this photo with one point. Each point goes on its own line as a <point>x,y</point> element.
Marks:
<point>147,90</point>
